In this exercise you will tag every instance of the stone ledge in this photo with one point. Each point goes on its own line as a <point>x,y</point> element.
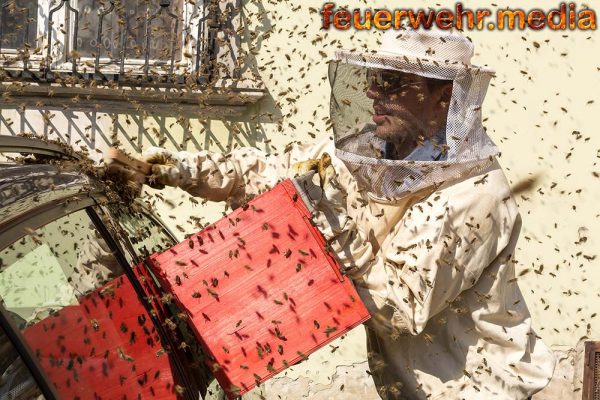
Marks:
<point>349,382</point>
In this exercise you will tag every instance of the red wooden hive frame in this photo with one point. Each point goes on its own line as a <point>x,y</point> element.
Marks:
<point>260,289</point>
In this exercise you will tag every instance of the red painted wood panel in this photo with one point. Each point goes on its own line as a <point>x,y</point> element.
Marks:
<point>260,290</point>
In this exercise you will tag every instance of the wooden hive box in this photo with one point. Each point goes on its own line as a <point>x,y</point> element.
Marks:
<point>260,290</point>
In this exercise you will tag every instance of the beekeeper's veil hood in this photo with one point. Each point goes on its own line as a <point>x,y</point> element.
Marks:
<point>431,53</point>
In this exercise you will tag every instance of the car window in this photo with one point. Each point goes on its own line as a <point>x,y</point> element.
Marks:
<point>143,231</point>
<point>54,265</point>
<point>81,316</point>
<point>16,382</point>
<point>146,235</point>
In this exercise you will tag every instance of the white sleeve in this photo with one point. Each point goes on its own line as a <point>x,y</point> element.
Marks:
<point>236,176</point>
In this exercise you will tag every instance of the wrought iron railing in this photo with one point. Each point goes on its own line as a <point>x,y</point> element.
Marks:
<point>44,68</point>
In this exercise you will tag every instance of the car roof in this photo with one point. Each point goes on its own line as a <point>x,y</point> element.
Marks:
<point>55,178</point>
<point>37,145</point>
<point>25,187</point>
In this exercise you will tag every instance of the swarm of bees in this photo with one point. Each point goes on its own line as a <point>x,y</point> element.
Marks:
<point>256,60</point>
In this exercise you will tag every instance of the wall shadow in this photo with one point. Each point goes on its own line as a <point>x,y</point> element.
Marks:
<point>137,125</point>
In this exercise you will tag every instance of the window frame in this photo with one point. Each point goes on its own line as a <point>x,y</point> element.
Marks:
<point>102,228</point>
<point>128,247</point>
<point>194,20</point>
<point>16,338</point>
<point>17,228</point>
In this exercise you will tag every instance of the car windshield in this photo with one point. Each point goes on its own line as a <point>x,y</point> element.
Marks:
<point>80,315</point>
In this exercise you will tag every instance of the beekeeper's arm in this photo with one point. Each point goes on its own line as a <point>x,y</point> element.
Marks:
<point>243,173</point>
<point>441,249</point>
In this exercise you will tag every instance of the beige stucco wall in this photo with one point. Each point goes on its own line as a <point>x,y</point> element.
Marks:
<point>545,91</point>
<point>541,95</point>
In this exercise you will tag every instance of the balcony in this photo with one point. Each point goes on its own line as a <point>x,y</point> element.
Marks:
<point>131,50</point>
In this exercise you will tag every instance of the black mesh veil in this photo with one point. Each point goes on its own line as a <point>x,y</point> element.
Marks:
<point>467,148</point>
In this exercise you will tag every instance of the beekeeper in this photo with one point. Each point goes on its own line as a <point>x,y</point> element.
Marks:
<point>412,200</point>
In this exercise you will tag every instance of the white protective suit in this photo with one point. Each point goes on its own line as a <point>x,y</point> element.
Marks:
<point>432,255</point>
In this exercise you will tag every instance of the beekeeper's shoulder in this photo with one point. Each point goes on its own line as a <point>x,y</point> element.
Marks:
<point>302,151</point>
<point>481,197</point>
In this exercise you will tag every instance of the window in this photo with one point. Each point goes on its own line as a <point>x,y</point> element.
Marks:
<point>133,51</point>
<point>18,24</point>
<point>145,235</point>
<point>164,30</point>
<point>124,40</point>
<point>81,316</point>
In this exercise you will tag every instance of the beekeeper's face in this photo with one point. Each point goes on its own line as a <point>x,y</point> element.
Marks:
<point>406,106</point>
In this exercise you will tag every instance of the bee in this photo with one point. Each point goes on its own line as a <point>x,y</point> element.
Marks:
<point>108,290</point>
<point>179,389</point>
<point>481,181</point>
<point>122,355</point>
<point>95,324</point>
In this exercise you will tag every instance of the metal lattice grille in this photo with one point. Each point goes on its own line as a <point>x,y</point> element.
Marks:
<point>109,40</point>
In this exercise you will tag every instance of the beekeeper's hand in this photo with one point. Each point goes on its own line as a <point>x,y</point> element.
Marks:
<point>327,192</point>
<point>318,185</point>
<point>167,168</point>
<point>125,177</point>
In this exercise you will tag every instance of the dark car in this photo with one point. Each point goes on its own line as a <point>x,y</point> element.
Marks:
<point>80,316</point>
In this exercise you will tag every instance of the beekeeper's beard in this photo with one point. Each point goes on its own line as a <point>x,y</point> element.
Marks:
<point>399,127</point>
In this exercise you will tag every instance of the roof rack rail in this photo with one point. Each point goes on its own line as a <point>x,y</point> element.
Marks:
<point>37,146</point>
